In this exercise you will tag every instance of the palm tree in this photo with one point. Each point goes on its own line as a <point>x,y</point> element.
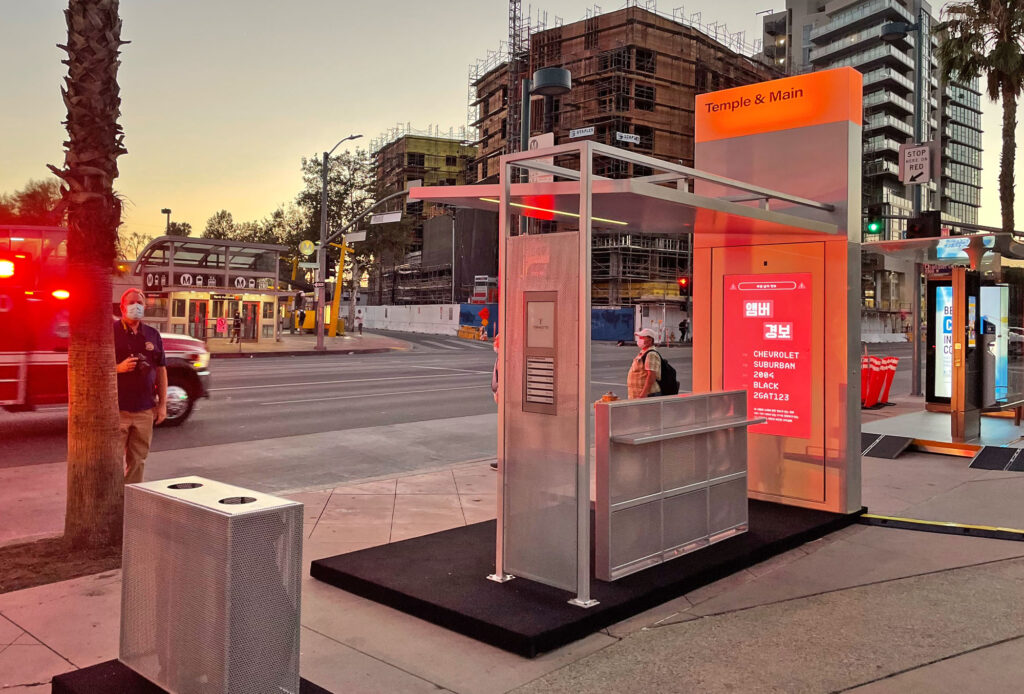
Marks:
<point>985,38</point>
<point>95,141</point>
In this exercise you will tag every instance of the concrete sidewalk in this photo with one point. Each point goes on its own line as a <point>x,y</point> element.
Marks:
<point>288,344</point>
<point>866,609</point>
<point>33,497</point>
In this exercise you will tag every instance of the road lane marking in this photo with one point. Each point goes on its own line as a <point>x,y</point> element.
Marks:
<point>371,395</point>
<point>439,344</point>
<point>447,368</point>
<point>349,380</point>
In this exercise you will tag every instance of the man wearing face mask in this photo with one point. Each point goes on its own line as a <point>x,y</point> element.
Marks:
<point>642,379</point>
<point>141,382</point>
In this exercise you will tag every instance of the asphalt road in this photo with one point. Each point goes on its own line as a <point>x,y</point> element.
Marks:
<point>271,397</point>
<point>337,408</point>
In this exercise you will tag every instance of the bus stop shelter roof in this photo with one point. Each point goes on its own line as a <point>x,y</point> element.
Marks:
<point>947,250</point>
<point>634,205</point>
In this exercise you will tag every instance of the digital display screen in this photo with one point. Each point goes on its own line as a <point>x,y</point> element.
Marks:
<point>767,349</point>
<point>943,342</point>
<point>953,248</point>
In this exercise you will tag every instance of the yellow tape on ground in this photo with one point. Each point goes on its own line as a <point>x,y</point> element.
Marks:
<point>944,524</point>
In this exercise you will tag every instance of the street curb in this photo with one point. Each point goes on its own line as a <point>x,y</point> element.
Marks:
<point>304,353</point>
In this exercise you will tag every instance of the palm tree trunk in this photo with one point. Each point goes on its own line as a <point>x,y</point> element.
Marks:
<point>1008,157</point>
<point>95,463</point>
<point>95,140</point>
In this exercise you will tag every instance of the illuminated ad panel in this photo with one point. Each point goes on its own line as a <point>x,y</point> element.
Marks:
<point>995,312</point>
<point>829,96</point>
<point>943,342</point>
<point>767,349</point>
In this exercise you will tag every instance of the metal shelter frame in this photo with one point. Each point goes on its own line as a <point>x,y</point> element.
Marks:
<point>661,202</point>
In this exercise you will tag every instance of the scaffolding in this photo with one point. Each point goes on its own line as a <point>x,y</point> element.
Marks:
<point>400,130</point>
<point>413,284</point>
<point>628,267</point>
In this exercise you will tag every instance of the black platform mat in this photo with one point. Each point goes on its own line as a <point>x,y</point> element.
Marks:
<point>867,440</point>
<point>114,677</point>
<point>890,447</point>
<point>994,458</point>
<point>441,578</point>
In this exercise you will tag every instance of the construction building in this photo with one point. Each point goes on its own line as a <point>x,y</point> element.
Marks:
<point>814,35</point>
<point>437,158</point>
<point>635,76</point>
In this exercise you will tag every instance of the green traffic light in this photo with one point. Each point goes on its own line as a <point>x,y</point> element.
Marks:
<point>874,226</point>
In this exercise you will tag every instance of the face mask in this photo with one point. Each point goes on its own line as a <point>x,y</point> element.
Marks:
<point>135,311</point>
<point>639,343</point>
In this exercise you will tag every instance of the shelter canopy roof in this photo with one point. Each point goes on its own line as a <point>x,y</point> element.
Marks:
<point>209,255</point>
<point>638,206</point>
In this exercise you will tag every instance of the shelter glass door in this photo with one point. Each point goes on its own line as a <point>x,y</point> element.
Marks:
<point>198,310</point>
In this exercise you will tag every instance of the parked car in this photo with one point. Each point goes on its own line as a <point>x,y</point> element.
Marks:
<point>1015,336</point>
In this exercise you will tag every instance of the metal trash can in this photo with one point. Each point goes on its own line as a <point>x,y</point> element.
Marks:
<point>211,587</point>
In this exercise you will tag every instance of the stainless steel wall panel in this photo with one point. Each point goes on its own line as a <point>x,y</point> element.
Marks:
<point>539,457</point>
<point>636,533</point>
<point>685,518</point>
<point>727,505</point>
<point>683,462</point>
<point>643,416</point>
<point>656,461</point>
<point>680,412</point>
<point>636,472</point>
<point>727,452</point>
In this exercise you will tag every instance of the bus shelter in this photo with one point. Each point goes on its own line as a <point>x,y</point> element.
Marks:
<point>971,343</point>
<point>772,316</point>
<point>197,286</point>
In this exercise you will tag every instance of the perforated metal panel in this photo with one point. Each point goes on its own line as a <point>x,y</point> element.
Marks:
<point>211,587</point>
<point>671,478</point>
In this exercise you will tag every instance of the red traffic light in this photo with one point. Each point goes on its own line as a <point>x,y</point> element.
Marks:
<point>6,268</point>
<point>684,282</point>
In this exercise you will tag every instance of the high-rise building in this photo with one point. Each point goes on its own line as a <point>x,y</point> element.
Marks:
<point>635,76</point>
<point>815,35</point>
<point>818,35</point>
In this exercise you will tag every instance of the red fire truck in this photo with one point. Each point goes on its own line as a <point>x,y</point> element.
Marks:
<point>34,329</point>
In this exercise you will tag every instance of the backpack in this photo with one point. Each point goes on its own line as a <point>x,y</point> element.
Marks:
<point>668,383</point>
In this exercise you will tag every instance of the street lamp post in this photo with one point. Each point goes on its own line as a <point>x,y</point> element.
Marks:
<point>321,292</point>
<point>167,211</point>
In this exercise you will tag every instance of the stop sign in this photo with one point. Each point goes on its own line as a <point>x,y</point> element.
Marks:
<point>485,313</point>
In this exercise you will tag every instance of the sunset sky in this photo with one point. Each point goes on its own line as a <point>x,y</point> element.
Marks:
<point>222,98</point>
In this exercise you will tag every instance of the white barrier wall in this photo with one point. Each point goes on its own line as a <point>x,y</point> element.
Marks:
<point>433,319</point>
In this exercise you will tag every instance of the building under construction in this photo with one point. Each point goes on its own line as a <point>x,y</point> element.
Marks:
<point>635,76</point>
<point>437,158</point>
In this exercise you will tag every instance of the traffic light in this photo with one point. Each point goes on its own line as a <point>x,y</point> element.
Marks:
<point>875,222</point>
<point>925,226</point>
<point>684,285</point>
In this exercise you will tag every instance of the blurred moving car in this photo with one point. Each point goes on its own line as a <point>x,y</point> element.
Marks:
<point>188,376</point>
<point>34,329</point>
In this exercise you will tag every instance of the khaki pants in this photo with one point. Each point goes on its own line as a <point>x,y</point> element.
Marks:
<point>136,434</point>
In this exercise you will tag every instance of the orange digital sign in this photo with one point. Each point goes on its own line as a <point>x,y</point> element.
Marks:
<point>829,96</point>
